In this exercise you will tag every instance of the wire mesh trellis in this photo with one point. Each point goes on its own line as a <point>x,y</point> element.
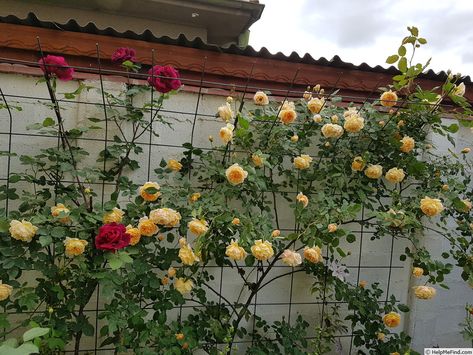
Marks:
<point>195,110</point>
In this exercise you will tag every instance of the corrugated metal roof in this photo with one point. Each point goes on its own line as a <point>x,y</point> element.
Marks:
<point>249,51</point>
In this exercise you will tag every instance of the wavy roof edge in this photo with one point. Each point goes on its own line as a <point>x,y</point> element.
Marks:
<point>198,43</point>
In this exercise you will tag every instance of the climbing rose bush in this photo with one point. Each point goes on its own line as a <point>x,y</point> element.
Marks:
<point>150,247</point>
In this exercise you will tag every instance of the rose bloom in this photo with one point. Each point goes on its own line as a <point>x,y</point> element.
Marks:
<point>424,292</point>
<point>172,272</point>
<point>174,165</point>
<point>466,150</point>
<point>183,286</point>
<point>408,144</point>
<point>187,256</point>
<point>431,206</point>
<point>165,280</point>
<point>394,353</point>
<point>363,283</point>
<point>180,336</point>
<point>291,258</point>
<point>307,95</point>
<point>302,162</point>
<point>135,234</point>
<point>5,291</point>
<point>288,105</point>
<point>225,112</point>
<point>459,89</point>
<point>149,196</point>
<point>55,65</point>
<point>115,215</point>
<point>330,130</point>
<point>260,98</point>
<point>374,171</point>
<point>123,54</point>
<point>417,272</point>
<point>354,123</point>
<point>24,230</point>
<point>295,138</point>
<point>147,227</point>
<point>395,175</point>
<point>226,133</point>
<point>317,118</point>
<point>74,246</point>
<point>235,252</point>
<point>392,319</point>
<point>112,237</point>
<point>350,111</point>
<point>467,207</point>
<point>313,254</point>
<point>275,233</point>
<point>194,197</point>
<point>334,119</point>
<point>315,105</point>
<point>380,336</point>
<point>388,98</point>
<point>166,217</point>
<point>60,209</point>
<point>287,116</point>
<point>164,78</point>
<point>332,228</point>
<point>236,221</point>
<point>358,164</point>
<point>236,174</point>
<point>257,160</point>
<point>198,227</point>
<point>303,199</point>
<point>262,250</point>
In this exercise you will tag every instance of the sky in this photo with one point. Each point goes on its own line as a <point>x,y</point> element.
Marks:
<point>369,30</point>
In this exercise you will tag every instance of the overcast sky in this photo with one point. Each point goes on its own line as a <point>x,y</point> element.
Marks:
<point>368,30</point>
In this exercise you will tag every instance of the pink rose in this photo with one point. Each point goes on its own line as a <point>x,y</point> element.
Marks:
<point>164,78</point>
<point>55,65</point>
<point>122,54</point>
<point>112,236</point>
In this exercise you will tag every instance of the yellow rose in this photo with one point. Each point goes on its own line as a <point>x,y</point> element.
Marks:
<point>172,272</point>
<point>395,175</point>
<point>61,210</point>
<point>408,144</point>
<point>330,130</point>
<point>183,286</point>
<point>332,228</point>
<point>150,196</point>
<point>288,105</point>
<point>236,174</point>
<point>303,199</point>
<point>388,98</point>
<point>307,95</point>
<point>180,336</point>
<point>467,207</point>
<point>187,256</point>
<point>5,291</point>
<point>198,227</point>
<point>445,187</point>
<point>236,221</point>
<point>394,353</point>
<point>115,215</point>
<point>424,292</point>
<point>24,230</point>
<point>302,162</point>
<point>147,227</point>
<point>317,118</point>
<point>287,116</point>
<point>431,206</point>
<point>135,234</point>
<point>363,283</point>
<point>294,138</point>
<point>74,246</point>
<point>257,160</point>
<point>315,105</point>
<point>401,123</point>
<point>226,133</point>
<point>380,336</point>
<point>275,233</point>
<point>229,99</point>
<point>262,250</point>
<point>291,258</point>
<point>235,252</point>
<point>314,254</point>
<point>225,112</point>
<point>165,280</point>
<point>194,197</point>
<point>260,98</point>
<point>334,119</point>
<point>166,217</point>
<point>459,89</point>
<point>358,164</point>
<point>466,150</point>
<point>354,123</point>
<point>417,272</point>
<point>392,319</point>
<point>374,171</point>
<point>174,165</point>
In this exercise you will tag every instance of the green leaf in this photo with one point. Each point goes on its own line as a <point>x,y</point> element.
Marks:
<point>453,128</point>
<point>125,257</point>
<point>4,225</point>
<point>351,238</point>
<point>402,51</point>
<point>403,307</point>
<point>48,122</point>
<point>114,261</point>
<point>402,65</point>
<point>45,240</point>
<point>422,40</point>
<point>35,333</point>
<point>392,59</point>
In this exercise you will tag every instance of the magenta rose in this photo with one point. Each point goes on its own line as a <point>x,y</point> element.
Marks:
<point>122,54</point>
<point>112,236</point>
<point>164,78</point>
<point>55,65</point>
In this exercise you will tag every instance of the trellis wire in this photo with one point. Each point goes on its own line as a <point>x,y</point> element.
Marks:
<point>290,92</point>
